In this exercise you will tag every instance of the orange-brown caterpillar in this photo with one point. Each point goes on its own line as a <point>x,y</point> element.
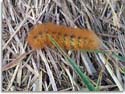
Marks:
<point>67,37</point>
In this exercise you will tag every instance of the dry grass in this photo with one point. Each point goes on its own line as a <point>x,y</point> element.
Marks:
<point>47,70</point>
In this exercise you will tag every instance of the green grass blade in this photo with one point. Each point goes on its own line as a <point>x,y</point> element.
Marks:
<point>85,79</point>
<point>121,58</point>
<point>83,76</point>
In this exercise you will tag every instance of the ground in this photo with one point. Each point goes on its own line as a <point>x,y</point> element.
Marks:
<point>52,69</point>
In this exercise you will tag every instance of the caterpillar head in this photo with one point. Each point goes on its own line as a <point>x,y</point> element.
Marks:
<point>36,37</point>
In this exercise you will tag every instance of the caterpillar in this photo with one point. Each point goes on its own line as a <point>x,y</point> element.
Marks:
<point>67,37</point>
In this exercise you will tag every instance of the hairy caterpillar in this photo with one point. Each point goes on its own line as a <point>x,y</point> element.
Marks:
<point>67,37</point>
